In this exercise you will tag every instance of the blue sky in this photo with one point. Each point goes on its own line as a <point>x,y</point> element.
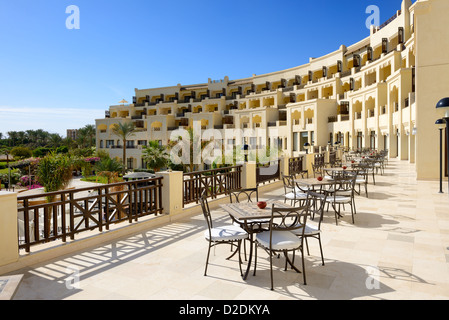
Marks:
<point>54,78</point>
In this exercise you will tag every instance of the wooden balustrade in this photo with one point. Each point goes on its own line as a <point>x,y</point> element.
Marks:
<point>63,214</point>
<point>212,183</point>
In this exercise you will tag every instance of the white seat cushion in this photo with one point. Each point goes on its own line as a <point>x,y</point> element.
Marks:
<point>310,230</point>
<point>282,240</point>
<point>226,233</point>
<point>299,195</point>
<point>339,199</point>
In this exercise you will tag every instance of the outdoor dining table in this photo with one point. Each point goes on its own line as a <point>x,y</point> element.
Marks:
<point>250,214</point>
<point>313,183</point>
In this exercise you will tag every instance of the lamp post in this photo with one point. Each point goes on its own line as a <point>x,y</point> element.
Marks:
<point>444,105</point>
<point>306,146</point>
<point>441,123</point>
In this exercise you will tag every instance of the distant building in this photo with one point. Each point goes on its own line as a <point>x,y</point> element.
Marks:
<point>72,133</point>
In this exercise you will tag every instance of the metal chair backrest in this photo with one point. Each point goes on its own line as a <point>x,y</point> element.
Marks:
<point>242,195</point>
<point>289,219</point>
<point>289,183</point>
<point>206,212</point>
<point>318,202</point>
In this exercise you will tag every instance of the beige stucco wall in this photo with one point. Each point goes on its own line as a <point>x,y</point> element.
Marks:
<point>9,250</point>
<point>432,80</point>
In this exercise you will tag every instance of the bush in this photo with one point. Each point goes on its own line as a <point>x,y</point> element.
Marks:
<point>21,152</point>
<point>41,152</point>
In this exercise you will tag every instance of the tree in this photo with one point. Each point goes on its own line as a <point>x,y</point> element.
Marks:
<point>155,155</point>
<point>124,131</point>
<point>108,168</point>
<point>54,173</point>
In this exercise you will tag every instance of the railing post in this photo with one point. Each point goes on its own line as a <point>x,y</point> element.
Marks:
<point>309,160</point>
<point>249,179</point>
<point>9,238</point>
<point>284,165</point>
<point>172,191</point>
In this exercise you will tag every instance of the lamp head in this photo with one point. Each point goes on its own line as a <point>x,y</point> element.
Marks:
<point>306,146</point>
<point>444,105</point>
<point>441,123</point>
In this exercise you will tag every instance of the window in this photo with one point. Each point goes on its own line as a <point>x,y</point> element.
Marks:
<point>142,142</point>
<point>295,141</point>
<point>130,144</point>
<point>109,143</point>
<point>129,163</point>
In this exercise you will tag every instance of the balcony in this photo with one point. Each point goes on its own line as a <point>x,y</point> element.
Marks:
<point>162,258</point>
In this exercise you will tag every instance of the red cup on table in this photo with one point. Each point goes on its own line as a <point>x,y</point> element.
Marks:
<point>262,204</point>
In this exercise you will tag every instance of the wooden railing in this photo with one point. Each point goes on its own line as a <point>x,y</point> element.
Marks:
<point>212,183</point>
<point>295,166</point>
<point>70,212</point>
<point>268,173</point>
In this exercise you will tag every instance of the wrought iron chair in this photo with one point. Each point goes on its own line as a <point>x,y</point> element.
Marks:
<point>343,193</point>
<point>228,234</point>
<point>247,195</point>
<point>286,234</point>
<point>317,169</point>
<point>316,207</point>
<point>362,177</point>
<point>292,192</point>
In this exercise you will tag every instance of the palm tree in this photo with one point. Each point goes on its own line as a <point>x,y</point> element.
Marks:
<point>108,168</point>
<point>124,131</point>
<point>155,155</point>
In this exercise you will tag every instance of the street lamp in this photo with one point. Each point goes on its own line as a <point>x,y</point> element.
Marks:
<point>441,123</point>
<point>444,105</point>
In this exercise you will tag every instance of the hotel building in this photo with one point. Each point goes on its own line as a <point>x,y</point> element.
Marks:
<point>378,93</point>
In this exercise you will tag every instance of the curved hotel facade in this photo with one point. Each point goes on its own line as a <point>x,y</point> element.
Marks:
<point>379,93</point>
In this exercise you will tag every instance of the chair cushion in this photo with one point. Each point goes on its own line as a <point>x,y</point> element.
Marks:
<point>299,195</point>
<point>309,231</point>
<point>339,199</point>
<point>226,233</point>
<point>282,240</point>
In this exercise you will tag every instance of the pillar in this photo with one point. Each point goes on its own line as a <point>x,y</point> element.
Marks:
<point>9,245</point>
<point>249,179</point>
<point>172,191</point>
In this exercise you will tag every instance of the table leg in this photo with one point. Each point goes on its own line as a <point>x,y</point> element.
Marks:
<point>250,258</point>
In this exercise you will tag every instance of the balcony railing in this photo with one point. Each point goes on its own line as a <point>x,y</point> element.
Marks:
<point>75,211</point>
<point>295,166</point>
<point>212,183</point>
<point>268,173</point>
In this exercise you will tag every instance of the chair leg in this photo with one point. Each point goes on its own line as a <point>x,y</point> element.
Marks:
<point>303,266</point>
<point>207,259</point>
<point>240,257</point>
<point>321,249</point>
<point>307,246</point>
<point>271,271</point>
<point>255,258</point>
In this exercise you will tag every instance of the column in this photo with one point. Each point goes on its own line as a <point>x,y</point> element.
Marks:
<point>249,179</point>
<point>172,191</point>
<point>9,245</point>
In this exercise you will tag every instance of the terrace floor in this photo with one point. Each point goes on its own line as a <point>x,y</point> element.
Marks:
<point>397,249</point>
